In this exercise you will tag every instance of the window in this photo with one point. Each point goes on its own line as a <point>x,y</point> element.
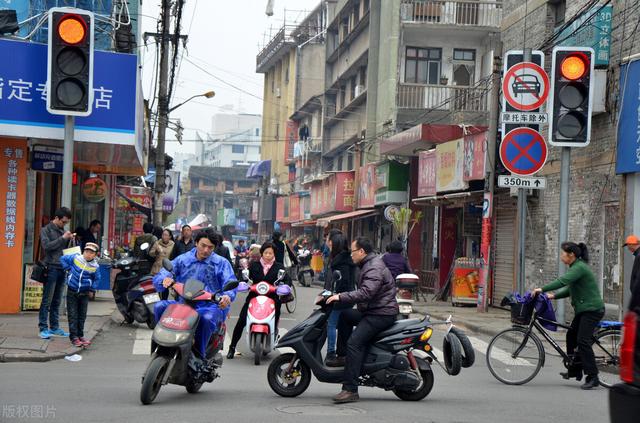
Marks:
<point>237,149</point>
<point>422,65</point>
<point>350,161</point>
<point>558,11</point>
<point>343,96</point>
<point>339,164</point>
<point>257,132</point>
<point>464,65</point>
<point>354,82</point>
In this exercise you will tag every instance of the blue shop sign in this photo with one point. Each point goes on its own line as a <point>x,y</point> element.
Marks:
<point>23,111</point>
<point>47,159</point>
<point>628,151</point>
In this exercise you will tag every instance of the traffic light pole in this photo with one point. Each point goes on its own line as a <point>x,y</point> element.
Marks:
<point>163,112</point>
<point>563,224</point>
<point>67,164</point>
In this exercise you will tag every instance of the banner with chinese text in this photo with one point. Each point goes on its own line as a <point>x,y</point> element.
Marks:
<point>427,174</point>
<point>13,187</point>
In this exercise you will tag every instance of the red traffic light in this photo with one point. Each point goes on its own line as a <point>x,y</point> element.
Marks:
<point>574,67</point>
<point>72,29</point>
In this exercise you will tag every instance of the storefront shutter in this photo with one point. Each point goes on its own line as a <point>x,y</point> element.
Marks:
<point>505,248</point>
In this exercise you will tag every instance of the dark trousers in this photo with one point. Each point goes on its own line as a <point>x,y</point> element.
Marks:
<point>51,299</point>
<point>356,341</point>
<point>580,336</point>
<point>77,304</point>
<point>242,319</point>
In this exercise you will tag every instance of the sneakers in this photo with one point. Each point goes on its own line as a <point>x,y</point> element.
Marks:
<point>84,341</point>
<point>77,343</point>
<point>592,382</point>
<point>59,332</point>
<point>345,396</point>
<point>335,361</point>
<point>45,334</point>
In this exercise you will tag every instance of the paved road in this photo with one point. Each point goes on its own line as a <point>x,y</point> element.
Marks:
<point>105,385</point>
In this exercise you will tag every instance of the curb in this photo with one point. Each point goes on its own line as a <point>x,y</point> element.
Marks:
<point>44,357</point>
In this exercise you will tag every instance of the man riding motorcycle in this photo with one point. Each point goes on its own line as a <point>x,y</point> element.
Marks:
<point>377,311</point>
<point>212,270</point>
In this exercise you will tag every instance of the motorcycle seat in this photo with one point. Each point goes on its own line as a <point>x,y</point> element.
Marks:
<point>400,326</point>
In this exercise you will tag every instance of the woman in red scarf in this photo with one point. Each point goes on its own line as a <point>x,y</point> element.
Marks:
<point>264,270</point>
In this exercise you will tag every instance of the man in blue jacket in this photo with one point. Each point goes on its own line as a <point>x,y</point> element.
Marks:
<point>212,270</point>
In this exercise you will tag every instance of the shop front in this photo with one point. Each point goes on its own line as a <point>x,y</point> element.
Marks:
<point>111,141</point>
<point>392,183</point>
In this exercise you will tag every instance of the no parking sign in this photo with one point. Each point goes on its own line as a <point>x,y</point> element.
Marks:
<point>523,151</point>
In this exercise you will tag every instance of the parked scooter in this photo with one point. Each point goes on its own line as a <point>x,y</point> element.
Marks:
<point>390,363</point>
<point>261,327</point>
<point>175,358</point>
<point>133,290</point>
<point>305,272</point>
<point>406,285</point>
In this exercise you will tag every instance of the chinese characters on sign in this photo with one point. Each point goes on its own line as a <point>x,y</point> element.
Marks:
<point>524,118</point>
<point>427,174</point>
<point>11,156</point>
<point>450,166</point>
<point>333,194</point>
<point>345,191</point>
<point>27,91</point>
<point>591,29</point>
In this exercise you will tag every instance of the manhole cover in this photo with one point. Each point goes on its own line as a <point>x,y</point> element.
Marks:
<point>321,410</point>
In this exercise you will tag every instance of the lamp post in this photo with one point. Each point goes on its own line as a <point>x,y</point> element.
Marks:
<point>163,119</point>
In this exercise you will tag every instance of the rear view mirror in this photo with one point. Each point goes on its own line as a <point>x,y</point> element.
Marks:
<point>337,275</point>
<point>245,274</point>
<point>281,273</point>
<point>166,263</point>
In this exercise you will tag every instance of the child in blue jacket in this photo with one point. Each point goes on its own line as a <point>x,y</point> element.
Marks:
<point>83,278</point>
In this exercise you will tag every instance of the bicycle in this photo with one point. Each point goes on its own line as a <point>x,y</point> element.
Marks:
<point>519,351</point>
<point>291,305</point>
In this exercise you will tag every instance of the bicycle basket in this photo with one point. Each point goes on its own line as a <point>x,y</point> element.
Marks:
<point>521,313</point>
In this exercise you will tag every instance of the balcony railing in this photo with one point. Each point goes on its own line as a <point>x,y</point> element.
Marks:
<point>281,39</point>
<point>443,97</point>
<point>485,13</point>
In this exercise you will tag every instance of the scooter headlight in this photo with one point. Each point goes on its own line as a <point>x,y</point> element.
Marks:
<point>168,337</point>
<point>426,334</point>
<point>262,288</point>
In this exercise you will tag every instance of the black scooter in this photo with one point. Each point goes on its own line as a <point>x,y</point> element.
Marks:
<point>390,363</point>
<point>133,290</point>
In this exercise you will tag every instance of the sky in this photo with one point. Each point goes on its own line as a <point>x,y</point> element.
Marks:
<point>224,39</point>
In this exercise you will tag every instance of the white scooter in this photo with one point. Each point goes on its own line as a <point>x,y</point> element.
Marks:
<point>261,327</point>
<point>406,284</point>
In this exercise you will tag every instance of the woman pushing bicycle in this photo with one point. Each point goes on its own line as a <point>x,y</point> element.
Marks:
<point>586,299</point>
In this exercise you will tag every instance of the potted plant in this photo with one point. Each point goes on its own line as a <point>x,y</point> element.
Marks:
<point>444,80</point>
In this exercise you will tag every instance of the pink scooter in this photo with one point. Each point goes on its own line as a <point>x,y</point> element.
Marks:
<point>261,317</point>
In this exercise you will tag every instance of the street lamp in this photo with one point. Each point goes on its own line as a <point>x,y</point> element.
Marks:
<point>163,117</point>
<point>208,94</point>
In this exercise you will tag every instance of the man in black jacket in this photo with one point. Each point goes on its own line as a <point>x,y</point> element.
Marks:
<point>633,245</point>
<point>184,244</point>
<point>377,311</point>
<point>54,238</point>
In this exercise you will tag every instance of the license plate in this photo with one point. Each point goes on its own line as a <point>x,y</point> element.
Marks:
<point>151,298</point>
<point>406,309</point>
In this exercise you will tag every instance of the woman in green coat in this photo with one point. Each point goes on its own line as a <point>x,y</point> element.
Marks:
<point>579,283</point>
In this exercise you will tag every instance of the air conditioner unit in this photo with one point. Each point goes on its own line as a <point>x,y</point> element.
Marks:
<point>359,90</point>
<point>278,92</point>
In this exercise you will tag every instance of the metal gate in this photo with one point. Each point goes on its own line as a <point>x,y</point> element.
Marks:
<point>505,247</point>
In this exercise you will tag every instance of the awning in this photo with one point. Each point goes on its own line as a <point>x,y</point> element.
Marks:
<point>260,169</point>
<point>304,223</point>
<point>357,213</point>
<point>445,197</point>
<point>424,136</point>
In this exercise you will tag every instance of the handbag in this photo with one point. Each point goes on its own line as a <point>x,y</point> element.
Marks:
<point>39,271</point>
<point>287,260</point>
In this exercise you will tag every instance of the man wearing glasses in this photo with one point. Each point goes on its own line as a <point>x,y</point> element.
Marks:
<point>377,311</point>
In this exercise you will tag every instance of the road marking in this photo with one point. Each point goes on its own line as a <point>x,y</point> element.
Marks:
<point>497,354</point>
<point>142,344</point>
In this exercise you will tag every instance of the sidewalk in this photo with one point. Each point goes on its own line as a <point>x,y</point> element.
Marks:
<point>490,323</point>
<point>19,340</point>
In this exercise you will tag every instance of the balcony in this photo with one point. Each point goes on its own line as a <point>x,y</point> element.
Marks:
<point>455,13</point>
<point>275,49</point>
<point>443,97</point>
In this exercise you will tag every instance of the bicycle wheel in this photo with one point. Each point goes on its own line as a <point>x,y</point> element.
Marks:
<point>291,305</point>
<point>607,352</point>
<point>513,357</point>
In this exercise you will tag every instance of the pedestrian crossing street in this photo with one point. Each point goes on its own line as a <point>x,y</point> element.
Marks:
<point>142,346</point>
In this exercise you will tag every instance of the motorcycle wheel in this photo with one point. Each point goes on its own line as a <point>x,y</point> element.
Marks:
<point>469,355</point>
<point>452,350</point>
<point>422,390</point>
<point>152,380</point>
<point>193,387</point>
<point>288,385</point>
<point>258,349</point>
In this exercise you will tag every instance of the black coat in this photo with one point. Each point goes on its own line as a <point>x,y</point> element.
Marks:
<point>279,253</point>
<point>376,293</point>
<point>343,263</point>
<point>256,273</point>
<point>180,248</point>
<point>634,283</point>
<point>223,251</point>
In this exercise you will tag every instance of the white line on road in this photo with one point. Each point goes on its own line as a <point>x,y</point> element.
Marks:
<point>497,353</point>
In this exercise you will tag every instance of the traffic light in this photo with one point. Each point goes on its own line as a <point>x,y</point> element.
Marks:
<point>571,97</point>
<point>70,62</point>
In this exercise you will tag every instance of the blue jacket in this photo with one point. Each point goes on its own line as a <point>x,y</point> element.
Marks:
<point>83,276</point>
<point>214,272</point>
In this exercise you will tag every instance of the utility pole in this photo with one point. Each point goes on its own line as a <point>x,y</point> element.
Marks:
<point>487,218</point>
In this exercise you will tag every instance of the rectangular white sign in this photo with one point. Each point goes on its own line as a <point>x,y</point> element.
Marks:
<point>523,118</point>
<point>513,181</point>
